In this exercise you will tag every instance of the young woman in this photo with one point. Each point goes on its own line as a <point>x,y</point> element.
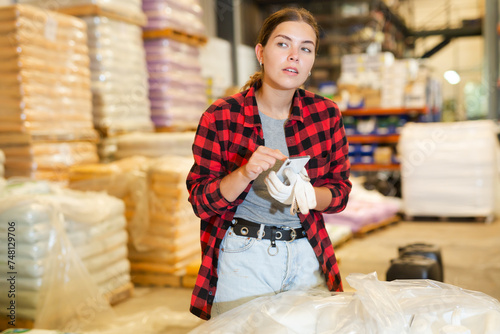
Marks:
<point>252,244</point>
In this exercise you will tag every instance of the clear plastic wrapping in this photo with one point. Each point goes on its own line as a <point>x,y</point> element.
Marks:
<point>450,169</point>
<point>71,252</point>
<point>401,306</point>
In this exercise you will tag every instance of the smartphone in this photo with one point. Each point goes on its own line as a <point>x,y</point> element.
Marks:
<point>295,163</point>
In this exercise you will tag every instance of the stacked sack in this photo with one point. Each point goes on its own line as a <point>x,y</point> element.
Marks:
<point>172,240</point>
<point>173,37</point>
<point>119,76</point>
<point>164,232</point>
<point>69,246</point>
<point>155,144</point>
<point>450,169</point>
<point>185,16</point>
<point>117,62</point>
<point>177,89</point>
<point>46,120</point>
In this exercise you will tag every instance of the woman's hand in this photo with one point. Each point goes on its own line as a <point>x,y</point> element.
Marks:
<point>261,160</point>
<point>233,184</point>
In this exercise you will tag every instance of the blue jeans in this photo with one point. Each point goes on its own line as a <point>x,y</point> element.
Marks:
<point>248,268</point>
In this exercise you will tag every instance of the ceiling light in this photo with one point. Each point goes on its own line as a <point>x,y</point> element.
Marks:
<point>452,77</point>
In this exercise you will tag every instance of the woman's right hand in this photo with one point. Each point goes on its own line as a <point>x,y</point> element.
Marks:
<point>233,184</point>
<point>261,160</point>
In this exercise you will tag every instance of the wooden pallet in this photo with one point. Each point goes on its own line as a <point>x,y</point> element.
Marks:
<point>471,219</point>
<point>175,35</point>
<point>20,323</point>
<point>365,230</point>
<point>139,19</point>
<point>165,280</point>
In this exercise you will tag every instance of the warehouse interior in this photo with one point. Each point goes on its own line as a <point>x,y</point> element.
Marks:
<point>99,104</point>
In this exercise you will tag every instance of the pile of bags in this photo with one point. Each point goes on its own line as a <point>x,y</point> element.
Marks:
<point>46,119</point>
<point>164,232</point>
<point>69,246</point>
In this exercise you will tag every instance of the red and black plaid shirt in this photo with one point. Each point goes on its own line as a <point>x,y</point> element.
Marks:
<point>229,132</point>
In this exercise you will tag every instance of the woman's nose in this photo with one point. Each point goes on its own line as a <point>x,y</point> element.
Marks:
<point>294,55</point>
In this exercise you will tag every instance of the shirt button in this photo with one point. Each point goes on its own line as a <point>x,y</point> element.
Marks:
<point>210,293</point>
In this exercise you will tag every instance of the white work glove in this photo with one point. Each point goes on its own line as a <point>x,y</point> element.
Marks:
<point>299,193</point>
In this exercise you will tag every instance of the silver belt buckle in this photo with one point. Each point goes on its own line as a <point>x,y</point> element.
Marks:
<point>293,234</point>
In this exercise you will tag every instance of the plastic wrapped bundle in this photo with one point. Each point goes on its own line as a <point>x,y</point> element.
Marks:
<point>155,144</point>
<point>126,8</point>
<point>406,306</point>
<point>119,76</point>
<point>172,241</point>
<point>69,245</point>
<point>450,169</point>
<point>164,232</point>
<point>177,89</point>
<point>184,16</point>
<point>48,161</point>
<point>44,92</point>
<point>45,81</point>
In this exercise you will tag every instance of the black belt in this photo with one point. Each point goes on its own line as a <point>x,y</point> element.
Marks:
<point>250,229</point>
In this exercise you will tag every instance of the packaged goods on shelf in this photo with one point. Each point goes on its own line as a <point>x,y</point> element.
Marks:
<point>177,89</point>
<point>381,81</point>
<point>155,144</point>
<point>164,232</point>
<point>426,306</point>
<point>45,95</point>
<point>450,169</point>
<point>184,16</point>
<point>71,246</point>
<point>365,207</point>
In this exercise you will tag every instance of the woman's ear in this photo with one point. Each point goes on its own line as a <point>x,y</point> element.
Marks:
<point>259,50</point>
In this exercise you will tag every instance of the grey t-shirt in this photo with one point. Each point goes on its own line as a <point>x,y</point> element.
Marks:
<point>259,206</point>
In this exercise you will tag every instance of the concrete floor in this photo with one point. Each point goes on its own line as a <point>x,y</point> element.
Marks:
<point>470,252</point>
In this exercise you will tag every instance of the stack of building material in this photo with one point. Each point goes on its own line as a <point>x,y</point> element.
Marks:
<point>185,16</point>
<point>155,144</point>
<point>172,38</point>
<point>172,241</point>
<point>164,232</point>
<point>66,245</point>
<point>177,89</point>
<point>450,170</point>
<point>119,76</point>
<point>46,120</point>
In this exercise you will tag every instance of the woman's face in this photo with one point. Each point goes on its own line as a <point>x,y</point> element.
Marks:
<point>288,55</point>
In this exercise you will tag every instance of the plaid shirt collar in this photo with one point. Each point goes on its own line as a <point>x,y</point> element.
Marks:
<point>251,109</point>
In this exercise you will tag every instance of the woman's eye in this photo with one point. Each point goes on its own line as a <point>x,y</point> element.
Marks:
<point>307,50</point>
<point>282,44</point>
